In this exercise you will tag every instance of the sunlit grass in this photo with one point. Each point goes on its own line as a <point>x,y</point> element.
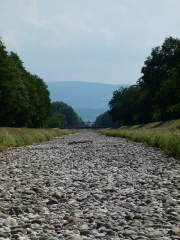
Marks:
<point>164,135</point>
<point>15,137</point>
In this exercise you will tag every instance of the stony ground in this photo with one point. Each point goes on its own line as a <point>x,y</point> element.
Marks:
<point>89,186</point>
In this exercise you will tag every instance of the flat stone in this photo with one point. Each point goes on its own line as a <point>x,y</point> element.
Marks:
<point>175,231</point>
<point>28,192</point>
<point>129,233</point>
<point>111,233</point>
<point>10,222</point>
<point>52,201</point>
<point>57,195</point>
<point>98,187</point>
<point>17,230</point>
<point>85,232</point>
<point>141,210</point>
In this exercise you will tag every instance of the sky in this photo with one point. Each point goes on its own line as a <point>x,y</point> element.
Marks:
<point>104,41</point>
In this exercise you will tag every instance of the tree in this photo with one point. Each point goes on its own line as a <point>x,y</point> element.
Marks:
<point>13,92</point>
<point>24,98</point>
<point>168,97</point>
<point>159,65</point>
<point>43,104</point>
<point>156,70</point>
<point>61,108</point>
<point>156,96</point>
<point>104,120</point>
<point>123,105</point>
<point>53,122</point>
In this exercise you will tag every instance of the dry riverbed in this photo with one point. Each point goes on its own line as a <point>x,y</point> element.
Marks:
<point>89,186</point>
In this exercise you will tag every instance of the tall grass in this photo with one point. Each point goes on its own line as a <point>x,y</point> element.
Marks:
<point>14,137</point>
<point>164,135</point>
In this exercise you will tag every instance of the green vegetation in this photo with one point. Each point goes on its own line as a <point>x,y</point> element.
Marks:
<point>164,135</point>
<point>103,120</point>
<point>15,137</point>
<point>156,97</point>
<point>53,122</point>
<point>24,98</point>
<point>66,114</point>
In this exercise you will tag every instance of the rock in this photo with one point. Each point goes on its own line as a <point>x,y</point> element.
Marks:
<point>138,216</point>
<point>53,238</point>
<point>38,209</point>
<point>155,233</point>
<point>10,222</point>
<point>126,205</point>
<point>98,187</point>
<point>129,216</point>
<point>57,195</point>
<point>3,215</point>
<point>28,192</point>
<point>129,233</point>
<point>85,232</point>
<point>175,231</point>
<point>18,230</point>
<point>16,210</point>
<point>75,237</point>
<point>39,221</point>
<point>23,238</point>
<point>84,226</point>
<point>141,210</point>
<point>172,202</point>
<point>49,227</point>
<point>52,201</point>
<point>111,233</point>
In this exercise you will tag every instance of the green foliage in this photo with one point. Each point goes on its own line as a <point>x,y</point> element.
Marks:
<point>104,120</point>
<point>53,122</point>
<point>155,135</point>
<point>168,96</point>
<point>14,137</point>
<point>156,97</point>
<point>123,105</point>
<point>24,98</point>
<point>66,113</point>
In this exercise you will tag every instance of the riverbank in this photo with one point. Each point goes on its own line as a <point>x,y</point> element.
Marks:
<point>164,135</point>
<point>15,137</point>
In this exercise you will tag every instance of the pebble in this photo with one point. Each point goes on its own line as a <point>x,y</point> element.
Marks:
<point>89,186</point>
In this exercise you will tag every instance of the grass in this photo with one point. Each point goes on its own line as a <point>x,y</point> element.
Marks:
<point>164,135</point>
<point>15,137</point>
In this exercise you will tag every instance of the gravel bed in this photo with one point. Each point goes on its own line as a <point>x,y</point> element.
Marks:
<point>89,186</point>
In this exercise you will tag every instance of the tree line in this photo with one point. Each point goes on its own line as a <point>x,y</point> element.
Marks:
<point>63,116</point>
<point>156,95</point>
<point>25,99</point>
<point>103,120</point>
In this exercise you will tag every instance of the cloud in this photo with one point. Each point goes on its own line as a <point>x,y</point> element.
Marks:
<point>76,36</point>
<point>29,13</point>
<point>104,32</point>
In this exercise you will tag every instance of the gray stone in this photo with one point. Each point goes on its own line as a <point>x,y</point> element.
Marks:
<point>57,195</point>
<point>18,230</point>
<point>141,210</point>
<point>85,232</point>
<point>175,231</point>
<point>10,222</point>
<point>111,233</point>
<point>129,233</point>
<point>98,187</point>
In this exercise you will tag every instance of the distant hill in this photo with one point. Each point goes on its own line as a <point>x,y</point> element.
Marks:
<point>88,99</point>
